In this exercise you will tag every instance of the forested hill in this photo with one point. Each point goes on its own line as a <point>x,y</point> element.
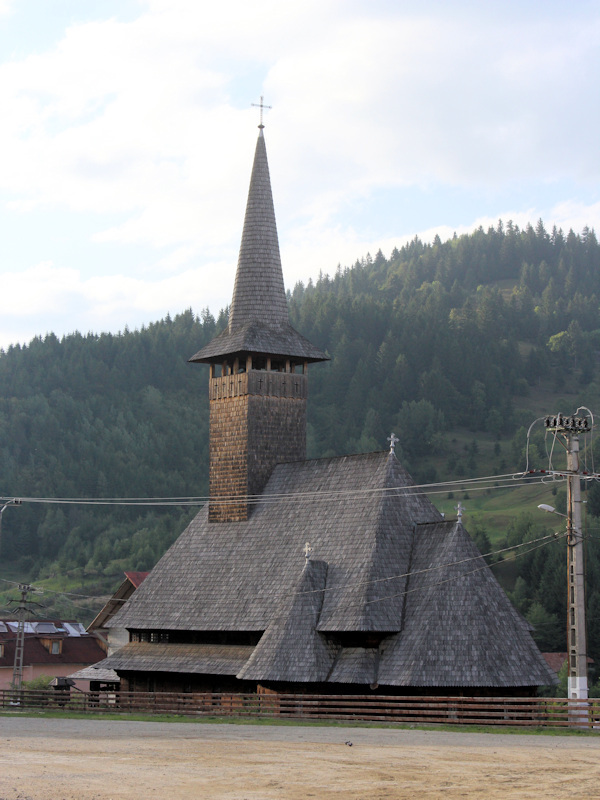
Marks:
<point>437,337</point>
<point>459,328</point>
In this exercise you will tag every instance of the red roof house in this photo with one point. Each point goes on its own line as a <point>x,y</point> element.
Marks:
<point>51,647</point>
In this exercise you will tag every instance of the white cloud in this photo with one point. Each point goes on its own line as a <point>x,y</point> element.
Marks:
<point>44,294</point>
<point>145,128</point>
<point>575,215</point>
<point>33,291</point>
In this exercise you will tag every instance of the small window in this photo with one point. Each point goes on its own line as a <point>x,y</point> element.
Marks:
<point>259,363</point>
<point>55,648</point>
<point>1,651</point>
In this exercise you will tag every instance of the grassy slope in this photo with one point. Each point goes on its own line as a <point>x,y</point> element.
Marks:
<point>496,508</point>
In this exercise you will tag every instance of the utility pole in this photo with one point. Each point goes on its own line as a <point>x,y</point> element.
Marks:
<point>569,428</point>
<point>576,639</point>
<point>22,611</point>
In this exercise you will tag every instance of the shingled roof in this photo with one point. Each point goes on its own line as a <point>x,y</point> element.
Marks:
<point>385,562</point>
<point>258,317</point>
<point>291,649</point>
<point>132,581</point>
<point>356,511</point>
<point>187,658</point>
<point>460,629</point>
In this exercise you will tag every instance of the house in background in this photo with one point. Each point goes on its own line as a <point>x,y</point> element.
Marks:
<point>556,661</point>
<point>51,647</point>
<point>334,575</point>
<point>115,637</point>
<point>110,637</point>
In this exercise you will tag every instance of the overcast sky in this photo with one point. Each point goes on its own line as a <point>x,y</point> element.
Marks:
<point>127,140</point>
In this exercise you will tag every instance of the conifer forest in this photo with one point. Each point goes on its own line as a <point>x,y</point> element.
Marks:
<point>456,346</point>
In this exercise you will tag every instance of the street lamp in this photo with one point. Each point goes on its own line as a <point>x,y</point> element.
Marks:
<point>12,502</point>
<point>551,510</point>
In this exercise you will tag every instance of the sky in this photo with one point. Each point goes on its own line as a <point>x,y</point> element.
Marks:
<point>128,134</point>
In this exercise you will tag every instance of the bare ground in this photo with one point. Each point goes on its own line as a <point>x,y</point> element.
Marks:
<point>67,759</point>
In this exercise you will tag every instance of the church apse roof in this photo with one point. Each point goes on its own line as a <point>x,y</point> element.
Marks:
<point>291,648</point>
<point>460,628</point>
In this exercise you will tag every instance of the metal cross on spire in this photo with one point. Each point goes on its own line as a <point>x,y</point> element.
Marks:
<point>261,105</point>
<point>392,440</point>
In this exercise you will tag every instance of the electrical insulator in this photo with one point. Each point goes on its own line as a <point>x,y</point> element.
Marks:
<point>559,422</point>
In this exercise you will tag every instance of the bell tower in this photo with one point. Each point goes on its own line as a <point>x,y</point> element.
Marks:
<point>258,381</point>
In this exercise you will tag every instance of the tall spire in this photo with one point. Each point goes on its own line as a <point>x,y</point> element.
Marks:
<point>258,317</point>
<point>259,293</point>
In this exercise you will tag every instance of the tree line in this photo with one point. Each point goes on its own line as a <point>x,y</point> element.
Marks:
<point>437,337</point>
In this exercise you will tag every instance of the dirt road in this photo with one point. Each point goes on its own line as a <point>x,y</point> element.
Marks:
<point>66,759</point>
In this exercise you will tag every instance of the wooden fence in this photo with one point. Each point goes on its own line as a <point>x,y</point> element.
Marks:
<point>520,711</point>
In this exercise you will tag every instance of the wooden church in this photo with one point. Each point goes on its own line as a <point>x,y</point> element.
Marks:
<point>331,575</point>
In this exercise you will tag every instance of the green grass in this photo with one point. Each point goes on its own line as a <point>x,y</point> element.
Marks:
<point>496,508</point>
<point>170,718</point>
<point>54,600</point>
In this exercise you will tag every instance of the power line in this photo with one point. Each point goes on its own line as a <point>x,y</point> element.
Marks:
<point>55,591</point>
<point>548,538</point>
<point>484,483</point>
<point>449,580</point>
<point>489,482</point>
<point>544,540</point>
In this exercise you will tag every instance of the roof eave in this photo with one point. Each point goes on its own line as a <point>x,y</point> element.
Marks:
<point>260,340</point>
